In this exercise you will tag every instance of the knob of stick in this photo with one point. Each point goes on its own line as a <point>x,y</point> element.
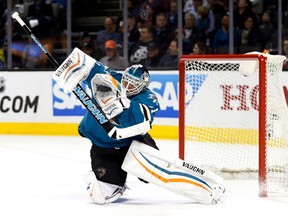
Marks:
<point>15,15</point>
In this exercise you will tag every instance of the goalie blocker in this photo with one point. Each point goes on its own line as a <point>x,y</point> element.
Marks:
<point>174,174</point>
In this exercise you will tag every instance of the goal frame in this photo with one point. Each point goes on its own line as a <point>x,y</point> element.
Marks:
<point>262,108</point>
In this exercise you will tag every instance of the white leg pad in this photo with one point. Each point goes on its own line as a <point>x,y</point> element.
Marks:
<point>102,192</point>
<point>173,174</point>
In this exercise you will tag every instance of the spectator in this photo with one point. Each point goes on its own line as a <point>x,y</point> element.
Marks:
<point>191,34</point>
<point>140,24</point>
<point>41,19</point>
<point>199,48</point>
<point>163,34</point>
<point>138,50</point>
<point>192,9</point>
<point>153,56</point>
<point>133,31</point>
<point>42,22</point>
<point>113,59</point>
<point>147,15</point>
<point>155,5</point>
<point>87,44</point>
<point>221,40</point>
<point>266,28</point>
<point>219,7</point>
<point>33,57</point>
<point>202,21</point>
<point>285,53</point>
<point>170,59</point>
<point>242,10</point>
<point>17,46</point>
<point>173,15</point>
<point>189,5</point>
<point>148,10</point>
<point>4,14</point>
<point>2,59</point>
<point>109,33</point>
<point>250,36</point>
<point>133,8</point>
<point>61,14</point>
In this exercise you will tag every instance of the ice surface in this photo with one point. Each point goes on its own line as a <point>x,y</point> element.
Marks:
<point>42,175</point>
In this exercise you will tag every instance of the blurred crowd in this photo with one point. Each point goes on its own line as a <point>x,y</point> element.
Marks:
<point>152,32</point>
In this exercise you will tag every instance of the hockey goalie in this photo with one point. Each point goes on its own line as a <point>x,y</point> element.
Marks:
<point>126,101</point>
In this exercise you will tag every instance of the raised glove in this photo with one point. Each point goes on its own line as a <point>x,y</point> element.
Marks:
<point>73,70</point>
<point>109,94</point>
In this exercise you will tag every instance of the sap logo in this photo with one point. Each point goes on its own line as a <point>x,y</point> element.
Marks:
<point>66,104</point>
<point>167,94</point>
<point>166,90</point>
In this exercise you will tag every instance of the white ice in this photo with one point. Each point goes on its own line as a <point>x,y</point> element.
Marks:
<point>42,175</point>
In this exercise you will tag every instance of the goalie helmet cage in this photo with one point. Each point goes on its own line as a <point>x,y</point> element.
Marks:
<point>233,117</point>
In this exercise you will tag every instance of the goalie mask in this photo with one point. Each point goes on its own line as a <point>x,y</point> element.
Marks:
<point>135,79</point>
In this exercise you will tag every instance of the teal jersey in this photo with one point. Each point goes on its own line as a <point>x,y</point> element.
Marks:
<point>136,114</point>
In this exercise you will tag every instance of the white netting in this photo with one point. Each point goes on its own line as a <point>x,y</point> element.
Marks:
<point>221,117</point>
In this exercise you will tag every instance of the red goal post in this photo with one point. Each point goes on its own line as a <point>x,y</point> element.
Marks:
<point>233,118</point>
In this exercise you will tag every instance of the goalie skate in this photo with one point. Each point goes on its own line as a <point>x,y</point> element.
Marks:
<point>102,192</point>
<point>218,194</point>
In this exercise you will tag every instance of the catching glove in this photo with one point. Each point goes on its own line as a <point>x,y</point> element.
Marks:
<point>109,94</point>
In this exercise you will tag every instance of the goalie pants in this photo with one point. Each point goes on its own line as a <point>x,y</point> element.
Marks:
<point>106,162</point>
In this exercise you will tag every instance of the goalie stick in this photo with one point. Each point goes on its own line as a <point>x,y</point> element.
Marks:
<point>96,111</point>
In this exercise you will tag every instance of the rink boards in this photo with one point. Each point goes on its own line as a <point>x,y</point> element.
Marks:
<point>32,103</point>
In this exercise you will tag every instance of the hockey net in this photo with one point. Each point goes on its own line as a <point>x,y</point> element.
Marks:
<point>233,117</point>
